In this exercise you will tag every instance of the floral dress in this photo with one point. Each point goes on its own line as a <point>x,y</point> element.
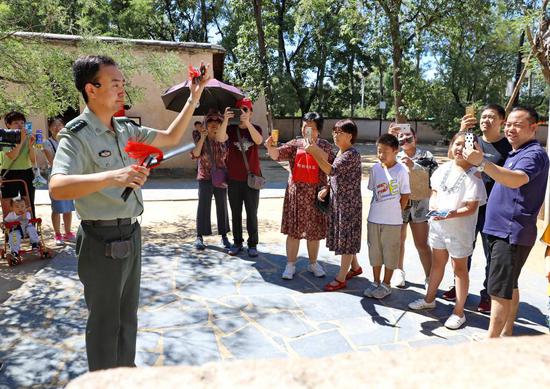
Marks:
<point>301,218</point>
<point>345,218</point>
<point>219,153</point>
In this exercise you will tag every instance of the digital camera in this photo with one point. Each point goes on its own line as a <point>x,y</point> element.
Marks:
<point>9,138</point>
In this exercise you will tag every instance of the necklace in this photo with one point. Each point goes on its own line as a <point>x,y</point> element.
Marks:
<point>456,186</point>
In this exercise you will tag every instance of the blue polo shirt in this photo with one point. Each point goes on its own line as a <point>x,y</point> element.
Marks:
<point>512,213</point>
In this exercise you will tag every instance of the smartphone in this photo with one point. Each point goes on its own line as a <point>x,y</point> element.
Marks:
<point>469,141</point>
<point>307,133</point>
<point>440,213</point>
<point>404,128</point>
<point>237,118</point>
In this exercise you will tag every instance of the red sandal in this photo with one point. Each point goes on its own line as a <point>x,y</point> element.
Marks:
<point>331,288</point>
<point>353,273</point>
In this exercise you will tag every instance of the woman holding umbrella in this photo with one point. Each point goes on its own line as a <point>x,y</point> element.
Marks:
<point>211,175</point>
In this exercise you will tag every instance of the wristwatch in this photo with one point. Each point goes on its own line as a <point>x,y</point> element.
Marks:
<point>481,166</point>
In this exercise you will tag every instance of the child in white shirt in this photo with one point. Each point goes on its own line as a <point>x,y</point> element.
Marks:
<point>20,214</point>
<point>457,189</point>
<point>389,181</point>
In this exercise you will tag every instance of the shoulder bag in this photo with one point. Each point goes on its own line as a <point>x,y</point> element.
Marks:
<point>253,181</point>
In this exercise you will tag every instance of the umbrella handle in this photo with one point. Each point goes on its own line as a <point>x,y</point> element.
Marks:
<point>147,162</point>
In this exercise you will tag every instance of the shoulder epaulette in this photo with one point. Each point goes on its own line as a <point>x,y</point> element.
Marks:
<point>124,119</point>
<point>76,126</point>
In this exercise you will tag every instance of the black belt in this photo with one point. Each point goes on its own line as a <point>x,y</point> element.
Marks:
<point>110,223</point>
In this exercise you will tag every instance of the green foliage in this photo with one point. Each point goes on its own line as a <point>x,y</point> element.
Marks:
<point>319,52</point>
<point>38,77</point>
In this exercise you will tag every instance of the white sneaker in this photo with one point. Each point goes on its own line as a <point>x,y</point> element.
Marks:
<point>382,291</point>
<point>454,322</point>
<point>421,304</point>
<point>371,288</point>
<point>399,276</point>
<point>290,269</point>
<point>316,269</point>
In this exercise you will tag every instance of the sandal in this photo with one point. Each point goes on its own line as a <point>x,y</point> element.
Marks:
<point>353,273</point>
<point>331,288</point>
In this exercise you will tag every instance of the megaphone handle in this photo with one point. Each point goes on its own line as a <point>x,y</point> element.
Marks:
<point>128,190</point>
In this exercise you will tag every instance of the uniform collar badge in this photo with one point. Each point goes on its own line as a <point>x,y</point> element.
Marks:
<point>104,153</point>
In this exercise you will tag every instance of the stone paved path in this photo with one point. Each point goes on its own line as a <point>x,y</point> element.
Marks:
<point>202,307</point>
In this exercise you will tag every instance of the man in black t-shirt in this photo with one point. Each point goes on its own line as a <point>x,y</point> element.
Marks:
<point>495,149</point>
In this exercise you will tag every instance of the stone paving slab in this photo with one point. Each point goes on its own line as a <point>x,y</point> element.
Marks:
<point>208,306</point>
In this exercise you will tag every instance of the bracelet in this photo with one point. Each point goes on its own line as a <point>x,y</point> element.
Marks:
<point>191,101</point>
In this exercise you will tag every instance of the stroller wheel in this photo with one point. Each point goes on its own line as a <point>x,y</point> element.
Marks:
<point>12,260</point>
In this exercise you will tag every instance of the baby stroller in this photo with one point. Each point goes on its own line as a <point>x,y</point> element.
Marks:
<point>11,227</point>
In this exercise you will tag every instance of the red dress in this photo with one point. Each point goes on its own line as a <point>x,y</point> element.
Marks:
<point>301,219</point>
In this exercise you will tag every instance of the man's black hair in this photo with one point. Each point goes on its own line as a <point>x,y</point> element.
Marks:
<point>13,116</point>
<point>197,122</point>
<point>497,108</point>
<point>314,117</point>
<point>85,70</point>
<point>388,140</point>
<point>530,110</point>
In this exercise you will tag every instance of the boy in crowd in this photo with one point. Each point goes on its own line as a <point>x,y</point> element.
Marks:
<point>389,181</point>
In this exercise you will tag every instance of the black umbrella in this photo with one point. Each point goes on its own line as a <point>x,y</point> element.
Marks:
<point>216,95</point>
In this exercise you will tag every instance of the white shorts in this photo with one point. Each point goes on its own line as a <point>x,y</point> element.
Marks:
<point>457,246</point>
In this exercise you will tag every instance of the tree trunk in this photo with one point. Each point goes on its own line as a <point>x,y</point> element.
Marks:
<point>266,85</point>
<point>519,66</point>
<point>397,58</point>
<point>351,84</point>
<point>204,22</point>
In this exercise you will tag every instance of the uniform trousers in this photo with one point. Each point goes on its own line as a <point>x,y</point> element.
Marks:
<point>111,291</point>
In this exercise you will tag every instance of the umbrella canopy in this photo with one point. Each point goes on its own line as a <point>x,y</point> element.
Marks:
<point>216,95</point>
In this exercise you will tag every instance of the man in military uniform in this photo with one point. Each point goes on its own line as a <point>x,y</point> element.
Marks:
<point>92,168</point>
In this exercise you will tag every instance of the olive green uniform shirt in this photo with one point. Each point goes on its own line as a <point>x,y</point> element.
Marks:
<point>93,149</point>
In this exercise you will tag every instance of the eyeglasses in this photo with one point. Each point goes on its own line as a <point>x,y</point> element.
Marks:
<point>337,131</point>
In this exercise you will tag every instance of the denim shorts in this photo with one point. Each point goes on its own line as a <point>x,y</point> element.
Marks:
<point>416,211</point>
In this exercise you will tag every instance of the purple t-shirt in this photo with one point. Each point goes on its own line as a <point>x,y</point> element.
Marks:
<point>512,213</point>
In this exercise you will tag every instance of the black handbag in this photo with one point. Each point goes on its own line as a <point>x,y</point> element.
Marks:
<point>323,205</point>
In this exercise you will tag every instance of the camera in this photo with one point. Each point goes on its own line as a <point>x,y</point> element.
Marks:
<point>9,138</point>
<point>237,118</point>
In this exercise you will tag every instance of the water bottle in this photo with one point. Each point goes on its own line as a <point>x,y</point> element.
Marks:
<point>39,140</point>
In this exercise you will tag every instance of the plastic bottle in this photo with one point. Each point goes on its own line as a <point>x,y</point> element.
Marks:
<point>39,140</point>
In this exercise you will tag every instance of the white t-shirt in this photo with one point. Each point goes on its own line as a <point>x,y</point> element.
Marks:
<point>387,186</point>
<point>454,187</point>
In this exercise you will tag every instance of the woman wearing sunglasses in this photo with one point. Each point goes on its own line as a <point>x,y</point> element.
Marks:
<point>421,164</point>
